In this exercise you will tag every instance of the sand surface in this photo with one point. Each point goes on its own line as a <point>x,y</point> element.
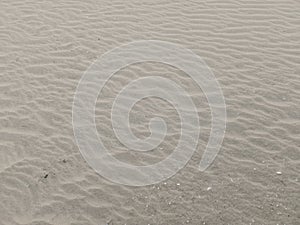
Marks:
<point>252,47</point>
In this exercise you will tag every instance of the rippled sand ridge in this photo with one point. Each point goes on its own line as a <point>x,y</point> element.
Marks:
<point>253,49</point>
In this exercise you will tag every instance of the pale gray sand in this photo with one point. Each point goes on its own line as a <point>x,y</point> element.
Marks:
<point>252,47</point>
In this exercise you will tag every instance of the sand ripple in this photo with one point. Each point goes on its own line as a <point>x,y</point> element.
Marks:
<point>253,49</point>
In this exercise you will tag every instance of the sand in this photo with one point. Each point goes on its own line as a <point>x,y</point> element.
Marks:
<point>252,47</point>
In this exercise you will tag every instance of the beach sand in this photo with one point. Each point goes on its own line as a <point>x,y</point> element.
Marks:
<point>253,49</point>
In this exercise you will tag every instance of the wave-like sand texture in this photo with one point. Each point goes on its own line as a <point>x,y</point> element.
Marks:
<point>253,48</point>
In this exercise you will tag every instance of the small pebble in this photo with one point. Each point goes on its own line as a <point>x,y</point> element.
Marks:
<point>209,188</point>
<point>278,173</point>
